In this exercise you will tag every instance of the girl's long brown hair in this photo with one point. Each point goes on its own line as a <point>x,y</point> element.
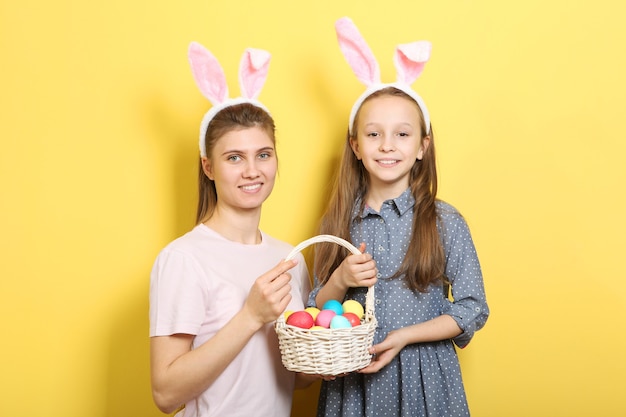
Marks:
<point>239,116</point>
<point>424,261</point>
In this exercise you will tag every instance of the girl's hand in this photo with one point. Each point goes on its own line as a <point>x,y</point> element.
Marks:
<point>270,294</point>
<point>357,270</point>
<point>385,351</point>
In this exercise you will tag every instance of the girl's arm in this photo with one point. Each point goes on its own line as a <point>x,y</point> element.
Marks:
<point>180,374</point>
<point>354,271</point>
<point>468,306</point>
<point>462,317</point>
<point>440,328</point>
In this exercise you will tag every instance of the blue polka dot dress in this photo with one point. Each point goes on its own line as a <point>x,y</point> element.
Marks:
<point>424,379</point>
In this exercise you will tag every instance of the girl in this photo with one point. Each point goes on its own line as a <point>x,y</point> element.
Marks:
<point>385,197</point>
<point>215,290</point>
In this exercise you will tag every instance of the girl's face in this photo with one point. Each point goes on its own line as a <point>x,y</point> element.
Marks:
<point>243,166</point>
<point>389,141</point>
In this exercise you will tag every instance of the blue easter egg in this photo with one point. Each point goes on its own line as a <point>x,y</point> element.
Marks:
<point>340,322</point>
<point>333,305</point>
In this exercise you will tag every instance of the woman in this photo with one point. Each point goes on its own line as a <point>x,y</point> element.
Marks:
<point>216,290</point>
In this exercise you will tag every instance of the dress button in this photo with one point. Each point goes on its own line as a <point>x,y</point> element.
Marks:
<point>380,248</point>
<point>379,275</point>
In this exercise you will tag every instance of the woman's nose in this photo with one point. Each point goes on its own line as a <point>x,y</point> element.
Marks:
<point>251,170</point>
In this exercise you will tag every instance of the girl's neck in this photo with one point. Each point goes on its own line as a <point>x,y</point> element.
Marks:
<point>241,227</point>
<point>377,195</point>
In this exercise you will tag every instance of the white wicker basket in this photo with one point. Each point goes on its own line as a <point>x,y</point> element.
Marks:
<point>327,351</point>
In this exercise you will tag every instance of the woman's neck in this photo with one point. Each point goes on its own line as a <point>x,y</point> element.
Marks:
<point>241,227</point>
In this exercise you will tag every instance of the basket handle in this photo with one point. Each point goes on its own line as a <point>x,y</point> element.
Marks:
<point>369,298</point>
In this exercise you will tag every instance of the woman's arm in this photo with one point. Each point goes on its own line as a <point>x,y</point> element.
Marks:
<point>180,374</point>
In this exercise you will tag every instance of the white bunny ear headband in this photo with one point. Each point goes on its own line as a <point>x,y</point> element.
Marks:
<point>211,81</point>
<point>409,60</point>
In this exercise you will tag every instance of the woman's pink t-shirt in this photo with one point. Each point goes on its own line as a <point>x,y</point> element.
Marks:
<point>198,283</point>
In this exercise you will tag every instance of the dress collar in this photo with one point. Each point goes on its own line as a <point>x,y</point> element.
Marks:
<point>401,204</point>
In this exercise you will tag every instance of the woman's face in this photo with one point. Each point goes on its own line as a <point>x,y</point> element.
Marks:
<point>388,141</point>
<point>243,165</point>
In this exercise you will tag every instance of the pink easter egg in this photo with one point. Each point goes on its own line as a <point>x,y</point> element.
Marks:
<point>324,317</point>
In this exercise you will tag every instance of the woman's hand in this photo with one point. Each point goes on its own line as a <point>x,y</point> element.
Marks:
<point>270,294</point>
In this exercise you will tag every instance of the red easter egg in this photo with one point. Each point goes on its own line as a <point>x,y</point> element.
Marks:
<point>353,319</point>
<point>301,319</point>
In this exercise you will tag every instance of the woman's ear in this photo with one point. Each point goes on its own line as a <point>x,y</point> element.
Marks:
<point>423,147</point>
<point>207,167</point>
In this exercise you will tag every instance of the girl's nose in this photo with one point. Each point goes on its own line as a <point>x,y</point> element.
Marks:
<point>386,144</point>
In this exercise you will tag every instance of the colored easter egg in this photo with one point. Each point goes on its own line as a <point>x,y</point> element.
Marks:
<point>340,322</point>
<point>300,319</point>
<point>333,305</point>
<point>287,313</point>
<point>324,317</point>
<point>313,311</point>
<point>353,319</point>
<point>353,306</point>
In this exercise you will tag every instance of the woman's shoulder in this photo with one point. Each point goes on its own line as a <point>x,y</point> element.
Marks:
<point>199,236</point>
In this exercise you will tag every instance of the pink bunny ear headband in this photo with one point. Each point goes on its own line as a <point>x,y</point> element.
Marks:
<point>409,60</point>
<point>211,81</point>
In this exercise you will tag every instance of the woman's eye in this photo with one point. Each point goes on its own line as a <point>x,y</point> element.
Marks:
<point>234,158</point>
<point>265,155</point>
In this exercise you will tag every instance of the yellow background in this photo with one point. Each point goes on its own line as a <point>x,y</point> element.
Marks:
<point>98,125</point>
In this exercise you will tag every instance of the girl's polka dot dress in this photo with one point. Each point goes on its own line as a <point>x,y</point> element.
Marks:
<point>424,379</point>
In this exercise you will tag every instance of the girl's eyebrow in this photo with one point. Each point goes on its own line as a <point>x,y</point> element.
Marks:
<point>398,124</point>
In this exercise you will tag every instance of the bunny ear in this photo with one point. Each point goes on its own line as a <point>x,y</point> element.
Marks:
<point>357,52</point>
<point>253,71</point>
<point>208,74</point>
<point>410,59</point>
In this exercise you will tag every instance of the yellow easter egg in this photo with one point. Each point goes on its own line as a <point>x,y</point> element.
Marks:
<point>287,313</point>
<point>313,311</point>
<point>318,328</point>
<point>353,306</point>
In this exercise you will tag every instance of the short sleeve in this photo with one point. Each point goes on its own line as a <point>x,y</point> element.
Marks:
<point>178,298</point>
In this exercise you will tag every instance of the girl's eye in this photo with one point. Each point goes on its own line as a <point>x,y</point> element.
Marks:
<point>403,134</point>
<point>372,134</point>
<point>234,158</point>
<point>265,155</point>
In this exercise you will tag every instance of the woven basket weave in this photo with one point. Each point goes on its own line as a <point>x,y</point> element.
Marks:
<point>327,351</point>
